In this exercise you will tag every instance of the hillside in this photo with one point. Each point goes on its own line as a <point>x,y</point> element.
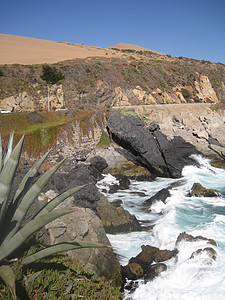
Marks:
<point>119,75</point>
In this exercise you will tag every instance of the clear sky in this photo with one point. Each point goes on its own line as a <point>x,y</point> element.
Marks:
<point>191,28</point>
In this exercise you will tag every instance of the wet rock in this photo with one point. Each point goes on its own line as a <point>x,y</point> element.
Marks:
<point>209,251</point>
<point>141,266</point>
<point>114,219</point>
<point>162,195</point>
<point>124,183</point>
<point>155,270</point>
<point>190,238</point>
<point>150,254</point>
<point>198,190</point>
<point>133,271</point>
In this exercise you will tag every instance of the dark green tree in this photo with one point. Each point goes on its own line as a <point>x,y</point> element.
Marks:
<point>51,75</point>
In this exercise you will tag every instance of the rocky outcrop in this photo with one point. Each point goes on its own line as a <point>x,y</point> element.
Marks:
<point>82,224</point>
<point>116,220</point>
<point>149,147</point>
<point>198,190</point>
<point>190,238</point>
<point>199,124</point>
<point>205,91</point>
<point>208,251</point>
<point>142,265</point>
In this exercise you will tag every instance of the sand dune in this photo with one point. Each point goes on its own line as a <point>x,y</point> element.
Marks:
<point>25,50</point>
<point>132,47</point>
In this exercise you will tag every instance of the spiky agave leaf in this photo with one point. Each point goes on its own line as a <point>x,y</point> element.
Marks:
<point>7,275</point>
<point>8,148</point>
<point>58,248</point>
<point>1,162</point>
<point>28,178</point>
<point>59,199</point>
<point>30,228</point>
<point>28,199</point>
<point>6,178</point>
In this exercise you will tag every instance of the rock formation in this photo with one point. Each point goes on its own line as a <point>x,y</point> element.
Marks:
<point>149,147</point>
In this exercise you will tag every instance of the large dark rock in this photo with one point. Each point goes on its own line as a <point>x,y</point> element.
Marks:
<point>99,163</point>
<point>149,148</point>
<point>81,174</point>
<point>198,190</point>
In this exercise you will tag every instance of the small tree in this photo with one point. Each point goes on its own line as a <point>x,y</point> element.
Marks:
<point>51,75</point>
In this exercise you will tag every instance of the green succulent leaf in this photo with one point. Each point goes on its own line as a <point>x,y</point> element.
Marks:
<point>8,148</point>
<point>61,247</point>
<point>8,172</point>
<point>1,162</point>
<point>57,200</point>
<point>29,198</point>
<point>27,180</point>
<point>6,178</point>
<point>7,275</point>
<point>8,247</point>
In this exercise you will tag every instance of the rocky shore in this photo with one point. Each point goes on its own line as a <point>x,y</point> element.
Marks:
<point>133,142</point>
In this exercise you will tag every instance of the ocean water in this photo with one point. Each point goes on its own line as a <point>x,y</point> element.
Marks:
<point>198,278</point>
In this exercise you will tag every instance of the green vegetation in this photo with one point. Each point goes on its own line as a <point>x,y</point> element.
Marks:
<point>59,278</point>
<point>13,210</point>
<point>1,72</point>
<point>186,93</point>
<point>127,111</point>
<point>42,130</point>
<point>104,140</point>
<point>51,75</point>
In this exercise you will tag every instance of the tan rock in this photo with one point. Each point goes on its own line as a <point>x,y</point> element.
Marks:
<point>205,90</point>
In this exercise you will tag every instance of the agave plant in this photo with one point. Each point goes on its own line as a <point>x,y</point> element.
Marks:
<point>13,209</point>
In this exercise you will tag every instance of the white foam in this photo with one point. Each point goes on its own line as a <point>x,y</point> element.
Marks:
<point>199,278</point>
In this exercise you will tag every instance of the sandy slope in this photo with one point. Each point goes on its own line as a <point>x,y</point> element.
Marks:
<point>132,47</point>
<point>24,50</point>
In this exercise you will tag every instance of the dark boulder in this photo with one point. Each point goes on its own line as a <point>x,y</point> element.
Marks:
<point>98,163</point>
<point>149,148</point>
<point>198,190</point>
<point>79,175</point>
<point>162,195</point>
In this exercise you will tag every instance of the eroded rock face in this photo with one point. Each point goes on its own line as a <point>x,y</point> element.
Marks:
<point>83,224</point>
<point>150,149</point>
<point>198,190</point>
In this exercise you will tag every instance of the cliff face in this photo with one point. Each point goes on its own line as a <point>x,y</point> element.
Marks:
<point>142,77</point>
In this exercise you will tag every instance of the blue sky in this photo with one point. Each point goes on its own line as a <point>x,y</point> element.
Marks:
<point>192,28</point>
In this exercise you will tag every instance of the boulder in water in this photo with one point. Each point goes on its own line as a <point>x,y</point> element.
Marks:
<point>209,251</point>
<point>198,190</point>
<point>190,238</point>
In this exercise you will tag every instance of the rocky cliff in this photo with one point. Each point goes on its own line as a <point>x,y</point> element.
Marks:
<point>142,77</point>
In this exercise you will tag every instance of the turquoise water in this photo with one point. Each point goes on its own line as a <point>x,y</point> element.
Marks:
<point>185,278</point>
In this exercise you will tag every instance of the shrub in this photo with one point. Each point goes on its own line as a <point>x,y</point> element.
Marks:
<point>60,278</point>
<point>51,75</point>
<point>185,93</point>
